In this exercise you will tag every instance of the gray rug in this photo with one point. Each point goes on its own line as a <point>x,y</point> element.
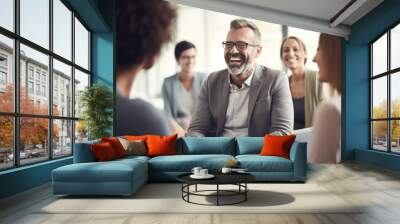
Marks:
<point>166,198</point>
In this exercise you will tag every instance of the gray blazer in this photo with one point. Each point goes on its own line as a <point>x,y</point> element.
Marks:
<point>171,89</point>
<point>270,104</point>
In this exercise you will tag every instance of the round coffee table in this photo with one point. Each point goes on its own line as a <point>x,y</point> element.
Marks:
<point>238,179</point>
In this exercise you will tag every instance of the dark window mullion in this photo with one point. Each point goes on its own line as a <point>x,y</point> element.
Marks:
<point>50,87</point>
<point>371,137</point>
<point>16,84</point>
<point>84,70</point>
<point>388,72</point>
<point>385,119</point>
<point>89,55</point>
<point>73,82</point>
<point>389,101</point>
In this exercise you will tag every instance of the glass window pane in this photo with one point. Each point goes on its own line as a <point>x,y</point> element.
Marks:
<point>395,47</point>
<point>7,14</point>
<point>62,138</point>
<point>379,135</point>
<point>271,42</point>
<point>395,136</point>
<point>62,29</point>
<point>81,131</point>
<point>33,140</point>
<point>6,142</point>
<point>6,74</point>
<point>34,97</point>
<point>379,98</point>
<point>395,94</point>
<point>379,55</point>
<point>35,21</point>
<point>62,89</point>
<point>81,45</point>
<point>81,81</point>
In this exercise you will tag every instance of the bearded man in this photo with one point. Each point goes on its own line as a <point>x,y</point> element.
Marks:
<point>246,99</point>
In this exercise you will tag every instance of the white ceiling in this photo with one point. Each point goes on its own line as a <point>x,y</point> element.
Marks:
<point>320,9</point>
<point>315,15</point>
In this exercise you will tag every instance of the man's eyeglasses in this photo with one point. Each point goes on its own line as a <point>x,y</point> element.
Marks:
<point>240,45</point>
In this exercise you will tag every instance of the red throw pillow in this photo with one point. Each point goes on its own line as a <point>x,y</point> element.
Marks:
<point>103,152</point>
<point>277,145</point>
<point>116,145</point>
<point>161,145</point>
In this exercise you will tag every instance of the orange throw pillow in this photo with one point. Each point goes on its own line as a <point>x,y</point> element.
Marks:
<point>277,145</point>
<point>116,145</point>
<point>161,145</point>
<point>134,137</point>
<point>103,152</point>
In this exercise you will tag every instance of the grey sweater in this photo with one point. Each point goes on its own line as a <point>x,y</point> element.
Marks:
<point>138,117</point>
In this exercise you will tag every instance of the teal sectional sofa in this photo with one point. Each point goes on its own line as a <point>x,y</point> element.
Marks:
<point>125,176</point>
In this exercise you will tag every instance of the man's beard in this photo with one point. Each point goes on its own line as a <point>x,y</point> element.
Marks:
<point>234,70</point>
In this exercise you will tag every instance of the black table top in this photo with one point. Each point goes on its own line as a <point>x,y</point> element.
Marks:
<point>220,178</point>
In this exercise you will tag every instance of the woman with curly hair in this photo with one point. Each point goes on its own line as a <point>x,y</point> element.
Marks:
<point>142,28</point>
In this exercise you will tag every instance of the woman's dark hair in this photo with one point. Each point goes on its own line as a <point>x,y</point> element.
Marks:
<point>331,55</point>
<point>143,26</point>
<point>181,47</point>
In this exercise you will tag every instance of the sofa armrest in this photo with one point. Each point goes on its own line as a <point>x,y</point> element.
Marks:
<point>298,155</point>
<point>83,152</point>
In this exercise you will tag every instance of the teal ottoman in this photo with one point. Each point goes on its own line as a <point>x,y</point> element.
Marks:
<point>118,177</point>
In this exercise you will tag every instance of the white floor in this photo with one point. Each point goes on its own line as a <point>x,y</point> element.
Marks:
<point>379,190</point>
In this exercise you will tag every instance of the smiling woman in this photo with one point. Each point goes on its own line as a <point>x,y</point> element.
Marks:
<point>307,92</point>
<point>180,90</point>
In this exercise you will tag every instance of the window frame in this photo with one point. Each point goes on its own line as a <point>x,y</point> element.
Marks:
<point>388,74</point>
<point>16,115</point>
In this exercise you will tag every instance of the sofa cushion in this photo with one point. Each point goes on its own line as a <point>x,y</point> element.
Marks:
<point>185,163</point>
<point>133,158</point>
<point>206,145</point>
<point>249,145</point>
<point>257,163</point>
<point>112,171</point>
<point>83,152</point>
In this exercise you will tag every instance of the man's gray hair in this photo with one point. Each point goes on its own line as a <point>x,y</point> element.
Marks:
<point>242,23</point>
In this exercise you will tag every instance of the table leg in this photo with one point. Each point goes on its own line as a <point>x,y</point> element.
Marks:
<point>196,188</point>
<point>188,189</point>
<point>182,190</point>
<point>245,193</point>
<point>217,194</point>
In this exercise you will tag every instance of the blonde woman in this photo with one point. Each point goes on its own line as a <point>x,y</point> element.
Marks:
<point>307,92</point>
<point>325,146</point>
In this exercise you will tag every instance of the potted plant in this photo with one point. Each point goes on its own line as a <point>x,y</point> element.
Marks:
<point>96,103</point>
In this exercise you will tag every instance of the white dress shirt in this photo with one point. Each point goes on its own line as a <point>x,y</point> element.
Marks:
<point>236,120</point>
